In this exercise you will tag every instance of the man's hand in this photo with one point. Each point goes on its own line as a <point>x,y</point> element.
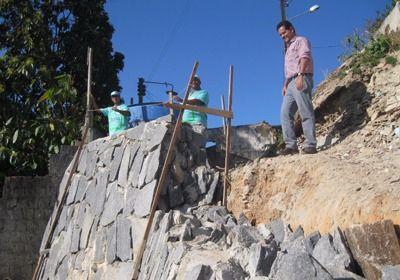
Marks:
<point>284,91</point>
<point>177,98</point>
<point>300,83</point>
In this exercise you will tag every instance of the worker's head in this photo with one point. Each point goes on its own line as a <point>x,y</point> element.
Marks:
<point>196,82</point>
<point>115,97</point>
<point>286,30</point>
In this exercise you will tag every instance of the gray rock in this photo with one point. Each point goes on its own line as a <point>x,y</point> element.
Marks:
<point>228,271</point>
<point>217,214</point>
<point>326,253</point>
<point>154,135</point>
<point>130,198</point>
<point>72,189</point>
<point>153,167</point>
<point>113,205</point>
<point>82,162</point>
<point>143,172</point>
<point>246,235</point>
<point>86,229</point>
<point>124,241</point>
<point>280,230</point>
<point>123,170</point>
<point>136,168</point>
<point>96,196</point>
<point>111,243</point>
<point>311,241</point>
<point>76,235</point>
<point>391,272</point>
<point>143,200</point>
<point>201,179</point>
<point>175,196</point>
<point>99,246</point>
<point>106,157</point>
<point>177,172</point>
<point>295,263</point>
<point>133,151</point>
<point>62,269</point>
<point>261,258</point>
<point>199,272</point>
<point>210,196</point>
<point>190,193</point>
<point>83,185</point>
<point>91,161</point>
<point>136,132</point>
<point>299,232</point>
<point>116,162</point>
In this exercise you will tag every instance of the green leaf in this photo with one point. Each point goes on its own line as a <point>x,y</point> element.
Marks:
<point>56,149</point>
<point>37,129</point>
<point>9,121</point>
<point>15,137</point>
<point>63,140</point>
<point>51,126</point>
<point>33,165</point>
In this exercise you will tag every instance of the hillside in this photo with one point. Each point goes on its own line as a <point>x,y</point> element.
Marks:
<point>355,177</point>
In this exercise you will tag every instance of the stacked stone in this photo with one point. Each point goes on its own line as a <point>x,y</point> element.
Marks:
<point>206,242</point>
<point>103,219</point>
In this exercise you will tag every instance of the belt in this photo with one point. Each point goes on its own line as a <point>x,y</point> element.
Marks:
<point>295,76</point>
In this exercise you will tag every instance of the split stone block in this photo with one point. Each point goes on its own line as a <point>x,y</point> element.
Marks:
<point>373,246</point>
<point>124,241</point>
<point>113,205</point>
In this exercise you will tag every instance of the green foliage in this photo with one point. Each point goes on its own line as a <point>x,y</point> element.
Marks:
<point>43,47</point>
<point>391,60</point>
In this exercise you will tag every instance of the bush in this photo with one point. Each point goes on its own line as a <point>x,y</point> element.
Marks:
<point>391,60</point>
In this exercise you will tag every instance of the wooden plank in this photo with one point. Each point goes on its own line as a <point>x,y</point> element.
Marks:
<point>163,176</point>
<point>201,109</point>
<point>228,139</point>
<point>60,204</point>
<point>223,108</point>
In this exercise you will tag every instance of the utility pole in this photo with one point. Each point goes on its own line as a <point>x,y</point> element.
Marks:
<point>283,4</point>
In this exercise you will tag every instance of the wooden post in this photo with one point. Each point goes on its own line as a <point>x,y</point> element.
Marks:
<point>228,138</point>
<point>171,111</point>
<point>163,176</point>
<point>60,204</point>
<point>223,108</point>
<point>89,112</point>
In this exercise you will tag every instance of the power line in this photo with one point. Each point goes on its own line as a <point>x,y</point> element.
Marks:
<point>167,44</point>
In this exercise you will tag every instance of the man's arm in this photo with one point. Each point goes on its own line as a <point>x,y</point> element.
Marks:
<point>125,113</point>
<point>303,68</point>
<point>197,102</point>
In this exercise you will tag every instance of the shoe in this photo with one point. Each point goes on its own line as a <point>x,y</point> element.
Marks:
<point>288,151</point>
<point>309,150</point>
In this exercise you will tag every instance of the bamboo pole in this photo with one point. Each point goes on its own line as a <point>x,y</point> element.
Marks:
<point>163,176</point>
<point>228,138</point>
<point>61,203</point>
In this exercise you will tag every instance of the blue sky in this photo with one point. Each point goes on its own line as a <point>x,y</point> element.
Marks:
<point>161,40</point>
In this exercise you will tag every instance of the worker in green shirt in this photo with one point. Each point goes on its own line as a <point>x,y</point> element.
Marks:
<point>197,120</point>
<point>199,97</point>
<point>118,115</point>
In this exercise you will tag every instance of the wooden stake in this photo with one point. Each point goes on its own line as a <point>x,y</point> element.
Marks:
<point>89,113</point>
<point>61,203</point>
<point>228,138</point>
<point>223,108</point>
<point>163,176</point>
